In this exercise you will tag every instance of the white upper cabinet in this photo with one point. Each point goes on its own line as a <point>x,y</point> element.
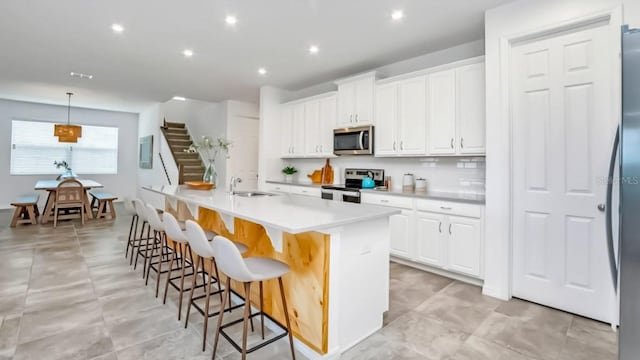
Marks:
<point>312,127</point>
<point>328,116</point>
<point>412,113</point>
<point>442,112</point>
<point>401,118</point>
<point>386,120</point>
<point>471,109</point>
<point>355,101</point>
<point>307,127</point>
<point>456,101</point>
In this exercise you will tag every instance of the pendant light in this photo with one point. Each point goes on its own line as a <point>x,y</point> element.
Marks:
<point>68,133</point>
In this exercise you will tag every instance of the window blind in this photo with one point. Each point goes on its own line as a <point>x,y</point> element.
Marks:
<point>34,149</point>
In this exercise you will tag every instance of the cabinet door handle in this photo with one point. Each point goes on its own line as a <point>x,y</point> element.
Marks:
<point>445,208</point>
<point>449,229</point>
<point>320,148</point>
<point>356,117</point>
<point>401,145</point>
<point>452,143</point>
<point>384,201</point>
<point>351,118</point>
<point>394,146</point>
<point>461,143</point>
<point>440,227</point>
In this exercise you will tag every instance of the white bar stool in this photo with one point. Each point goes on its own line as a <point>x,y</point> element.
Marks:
<point>248,270</point>
<point>141,213</point>
<point>202,248</point>
<point>159,241</point>
<point>181,247</point>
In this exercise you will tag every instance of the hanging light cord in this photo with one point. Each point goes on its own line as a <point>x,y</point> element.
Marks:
<point>69,109</point>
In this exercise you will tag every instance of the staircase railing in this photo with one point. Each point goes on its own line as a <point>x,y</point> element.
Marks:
<point>164,167</point>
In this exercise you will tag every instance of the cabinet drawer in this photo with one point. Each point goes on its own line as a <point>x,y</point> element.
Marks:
<point>305,190</point>
<point>387,200</point>
<point>277,188</point>
<point>447,207</point>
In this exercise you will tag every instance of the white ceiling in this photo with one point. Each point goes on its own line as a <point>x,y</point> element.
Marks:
<point>42,41</point>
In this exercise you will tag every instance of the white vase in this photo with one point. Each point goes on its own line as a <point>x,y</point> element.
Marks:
<point>289,177</point>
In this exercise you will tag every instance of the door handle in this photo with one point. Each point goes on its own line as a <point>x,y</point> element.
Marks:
<point>461,143</point>
<point>449,229</point>
<point>452,143</point>
<point>602,207</point>
<point>401,145</point>
<point>356,117</point>
<point>351,118</point>
<point>608,220</point>
<point>361,140</point>
<point>440,227</point>
<point>394,146</point>
<point>445,208</point>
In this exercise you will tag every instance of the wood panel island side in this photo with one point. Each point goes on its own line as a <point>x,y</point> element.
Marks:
<point>338,286</point>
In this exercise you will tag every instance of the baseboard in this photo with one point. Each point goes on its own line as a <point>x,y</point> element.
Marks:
<point>445,273</point>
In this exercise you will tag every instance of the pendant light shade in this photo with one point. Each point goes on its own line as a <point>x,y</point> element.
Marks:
<point>67,133</point>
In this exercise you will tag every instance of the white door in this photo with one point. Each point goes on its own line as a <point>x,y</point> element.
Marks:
<point>470,109</point>
<point>243,155</point>
<point>562,118</point>
<point>328,113</point>
<point>346,104</point>
<point>465,243</point>
<point>312,128</point>
<point>386,113</point>
<point>412,116</point>
<point>441,102</point>
<point>400,226</point>
<point>297,130</point>
<point>430,229</point>
<point>364,101</point>
<point>286,127</point>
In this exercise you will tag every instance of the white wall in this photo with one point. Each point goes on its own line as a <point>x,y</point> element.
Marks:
<point>237,162</point>
<point>122,184</point>
<point>149,124</point>
<point>445,56</point>
<point>270,129</point>
<point>514,18</point>
<point>443,174</point>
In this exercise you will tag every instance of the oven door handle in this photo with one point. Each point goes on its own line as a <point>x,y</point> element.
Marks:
<point>361,140</point>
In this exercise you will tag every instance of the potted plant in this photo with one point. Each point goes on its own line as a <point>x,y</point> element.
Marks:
<point>209,150</point>
<point>68,173</point>
<point>289,172</point>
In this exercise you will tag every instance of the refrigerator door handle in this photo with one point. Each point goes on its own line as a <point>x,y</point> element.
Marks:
<point>608,212</point>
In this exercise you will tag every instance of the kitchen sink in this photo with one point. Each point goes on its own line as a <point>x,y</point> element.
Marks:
<point>251,193</point>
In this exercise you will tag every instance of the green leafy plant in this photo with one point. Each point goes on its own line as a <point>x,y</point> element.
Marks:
<point>59,164</point>
<point>289,170</point>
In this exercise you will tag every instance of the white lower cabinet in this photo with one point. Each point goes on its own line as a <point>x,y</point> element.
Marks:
<point>429,239</point>
<point>465,245</point>
<point>401,234</point>
<point>441,234</point>
<point>293,189</point>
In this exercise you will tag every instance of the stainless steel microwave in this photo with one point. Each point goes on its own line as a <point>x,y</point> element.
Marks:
<point>353,141</point>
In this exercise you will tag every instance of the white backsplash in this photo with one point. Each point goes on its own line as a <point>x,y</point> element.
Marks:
<point>443,174</point>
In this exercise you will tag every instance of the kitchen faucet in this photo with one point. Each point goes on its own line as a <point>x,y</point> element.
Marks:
<point>232,184</point>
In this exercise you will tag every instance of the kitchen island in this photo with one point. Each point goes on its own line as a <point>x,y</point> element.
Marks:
<point>338,287</point>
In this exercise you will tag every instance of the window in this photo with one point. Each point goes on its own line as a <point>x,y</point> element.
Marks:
<point>34,149</point>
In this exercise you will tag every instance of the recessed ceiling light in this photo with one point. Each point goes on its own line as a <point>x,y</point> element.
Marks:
<point>231,20</point>
<point>81,75</point>
<point>397,15</point>
<point>188,53</point>
<point>313,49</point>
<point>117,28</point>
<point>179,98</point>
<point>262,71</point>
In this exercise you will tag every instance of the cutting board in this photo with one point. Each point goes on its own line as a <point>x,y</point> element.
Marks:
<point>327,173</point>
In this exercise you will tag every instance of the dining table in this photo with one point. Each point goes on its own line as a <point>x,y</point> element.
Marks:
<point>52,185</point>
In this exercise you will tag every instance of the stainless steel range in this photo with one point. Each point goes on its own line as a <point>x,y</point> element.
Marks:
<point>350,191</point>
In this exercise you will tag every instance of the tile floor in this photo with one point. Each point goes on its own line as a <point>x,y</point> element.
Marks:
<point>68,293</point>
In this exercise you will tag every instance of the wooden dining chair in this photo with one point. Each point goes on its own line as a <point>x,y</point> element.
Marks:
<point>69,195</point>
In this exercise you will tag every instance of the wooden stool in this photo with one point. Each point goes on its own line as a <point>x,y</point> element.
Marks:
<point>103,200</point>
<point>25,205</point>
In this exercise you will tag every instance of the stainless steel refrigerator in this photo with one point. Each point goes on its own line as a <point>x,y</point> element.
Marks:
<point>629,215</point>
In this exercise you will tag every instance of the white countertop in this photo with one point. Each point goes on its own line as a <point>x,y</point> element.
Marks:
<point>286,212</point>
